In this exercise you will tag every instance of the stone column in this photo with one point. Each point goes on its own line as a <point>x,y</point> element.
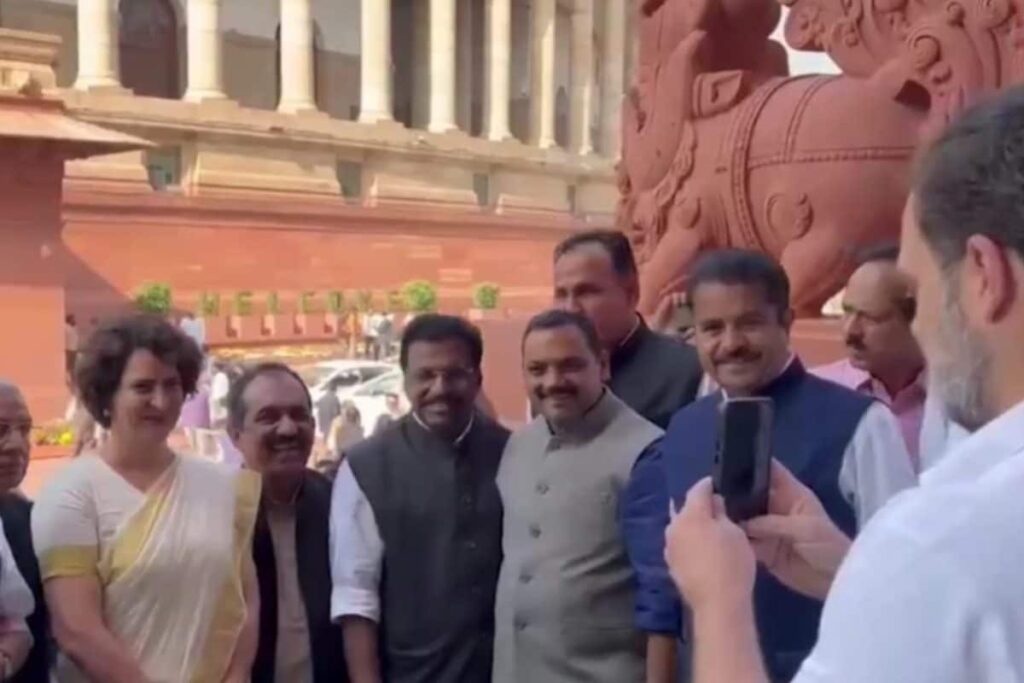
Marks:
<point>582,77</point>
<point>375,63</point>
<point>612,86</point>
<point>542,76</point>
<point>205,51</point>
<point>97,45</point>
<point>298,74</point>
<point>442,66</point>
<point>498,47</point>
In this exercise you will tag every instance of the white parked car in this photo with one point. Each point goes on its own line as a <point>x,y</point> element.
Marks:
<point>349,374</point>
<point>371,398</point>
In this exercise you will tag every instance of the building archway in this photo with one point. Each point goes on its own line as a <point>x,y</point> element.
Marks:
<point>149,48</point>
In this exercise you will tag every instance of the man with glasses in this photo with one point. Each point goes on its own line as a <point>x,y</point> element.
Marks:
<point>416,523</point>
<point>884,360</point>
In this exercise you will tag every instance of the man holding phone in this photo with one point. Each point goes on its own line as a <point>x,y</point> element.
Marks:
<point>847,448</point>
<point>931,591</point>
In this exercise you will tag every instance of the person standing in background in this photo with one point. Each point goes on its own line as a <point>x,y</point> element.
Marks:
<point>220,386</point>
<point>71,343</point>
<point>194,328</point>
<point>595,275</point>
<point>884,359</point>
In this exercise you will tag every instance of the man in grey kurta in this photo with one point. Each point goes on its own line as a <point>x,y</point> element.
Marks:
<point>565,593</point>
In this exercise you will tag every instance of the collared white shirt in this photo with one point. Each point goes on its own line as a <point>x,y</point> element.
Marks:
<point>927,430</point>
<point>357,550</point>
<point>931,591</point>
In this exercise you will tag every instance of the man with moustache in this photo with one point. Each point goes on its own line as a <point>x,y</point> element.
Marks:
<point>885,360</point>
<point>15,512</point>
<point>566,590</point>
<point>845,446</point>
<point>595,275</point>
<point>931,591</point>
<point>270,421</point>
<point>416,522</point>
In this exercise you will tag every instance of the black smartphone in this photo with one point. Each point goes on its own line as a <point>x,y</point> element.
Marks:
<point>742,468</point>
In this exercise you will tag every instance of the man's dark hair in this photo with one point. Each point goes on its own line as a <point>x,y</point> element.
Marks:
<point>434,327</point>
<point>612,241</point>
<point>236,395</point>
<point>742,267</point>
<point>102,360</point>
<point>971,180</point>
<point>557,319</point>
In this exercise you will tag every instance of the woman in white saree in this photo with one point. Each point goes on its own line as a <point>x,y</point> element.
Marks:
<point>145,554</point>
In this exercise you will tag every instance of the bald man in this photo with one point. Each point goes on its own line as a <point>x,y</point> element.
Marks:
<point>884,359</point>
<point>15,512</point>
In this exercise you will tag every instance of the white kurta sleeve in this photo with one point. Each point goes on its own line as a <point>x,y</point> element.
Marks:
<point>876,464</point>
<point>357,551</point>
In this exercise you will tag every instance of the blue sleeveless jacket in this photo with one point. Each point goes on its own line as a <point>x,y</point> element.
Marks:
<point>813,425</point>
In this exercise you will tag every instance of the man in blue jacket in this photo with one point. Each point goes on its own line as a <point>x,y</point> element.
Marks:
<point>847,448</point>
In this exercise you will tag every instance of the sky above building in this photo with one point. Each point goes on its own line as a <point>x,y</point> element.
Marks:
<point>804,62</point>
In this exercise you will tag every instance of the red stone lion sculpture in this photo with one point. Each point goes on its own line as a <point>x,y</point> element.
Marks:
<point>722,148</point>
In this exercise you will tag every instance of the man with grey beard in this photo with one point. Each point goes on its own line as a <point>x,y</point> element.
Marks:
<point>930,592</point>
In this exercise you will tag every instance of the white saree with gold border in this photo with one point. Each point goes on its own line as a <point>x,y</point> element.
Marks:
<point>169,560</point>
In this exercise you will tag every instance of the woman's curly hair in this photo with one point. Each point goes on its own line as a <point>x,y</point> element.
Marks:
<point>101,362</point>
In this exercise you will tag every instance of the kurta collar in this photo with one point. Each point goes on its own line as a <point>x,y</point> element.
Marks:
<point>791,374</point>
<point>591,424</point>
<point>629,345</point>
<point>426,432</point>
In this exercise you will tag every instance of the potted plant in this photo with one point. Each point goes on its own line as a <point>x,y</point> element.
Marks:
<point>308,315</point>
<point>269,326</point>
<point>242,325</point>
<point>419,296</point>
<point>335,312</point>
<point>209,309</point>
<point>52,440</point>
<point>154,298</point>
<point>485,301</point>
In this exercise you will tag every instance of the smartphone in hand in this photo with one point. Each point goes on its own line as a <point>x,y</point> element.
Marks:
<point>742,467</point>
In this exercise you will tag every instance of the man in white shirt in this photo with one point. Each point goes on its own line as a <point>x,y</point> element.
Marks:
<point>931,591</point>
<point>884,360</point>
<point>195,329</point>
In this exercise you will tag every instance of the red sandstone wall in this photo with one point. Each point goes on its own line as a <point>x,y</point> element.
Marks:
<point>31,286</point>
<point>228,245</point>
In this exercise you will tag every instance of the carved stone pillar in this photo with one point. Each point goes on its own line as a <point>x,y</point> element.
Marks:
<point>498,47</point>
<point>582,77</point>
<point>298,74</point>
<point>542,78</point>
<point>442,66</point>
<point>375,63</point>
<point>612,85</point>
<point>97,45</point>
<point>205,51</point>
